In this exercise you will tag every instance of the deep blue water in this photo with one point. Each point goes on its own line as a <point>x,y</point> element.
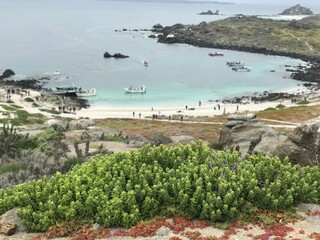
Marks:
<point>44,36</point>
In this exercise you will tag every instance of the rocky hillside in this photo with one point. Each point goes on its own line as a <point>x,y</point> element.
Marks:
<point>252,34</point>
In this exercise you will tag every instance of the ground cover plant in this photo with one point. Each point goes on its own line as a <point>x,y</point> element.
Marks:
<point>191,180</point>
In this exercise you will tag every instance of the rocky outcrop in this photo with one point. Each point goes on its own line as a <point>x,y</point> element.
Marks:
<point>249,137</point>
<point>297,10</point>
<point>116,55</point>
<point>302,145</point>
<point>209,12</point>
<point>7,73</point>
<point>159,139</point>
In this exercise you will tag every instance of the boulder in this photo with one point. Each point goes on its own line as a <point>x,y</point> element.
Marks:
<point>302,145</point>
<point>10,223</point>
<point>120,55</point>
<point>297,10</point>
<point>251,137</point>
<point>107,55</point>
<point>159,138</point>
<point>7,73</point>
<point>116,55</point>
<point>242,117</point>
<point>8,228</point>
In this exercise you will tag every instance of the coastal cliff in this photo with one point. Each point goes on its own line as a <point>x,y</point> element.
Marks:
<point>251,34</point>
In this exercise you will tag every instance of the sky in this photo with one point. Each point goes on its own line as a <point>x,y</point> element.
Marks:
<point>280,2</point>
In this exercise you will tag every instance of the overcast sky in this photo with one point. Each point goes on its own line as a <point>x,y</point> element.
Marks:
<point>280,2</point>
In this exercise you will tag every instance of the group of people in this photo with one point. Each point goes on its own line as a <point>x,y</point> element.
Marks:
<point>64,109</point>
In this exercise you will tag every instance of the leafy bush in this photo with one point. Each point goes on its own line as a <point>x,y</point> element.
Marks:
<point>52,111</point>
<point>35,104</point>
<point>26,143</point>
<point>303,102</point>
<point>74,162</point>
<point>8,108</point>
<point>280,106</point>
<point>16,106</point>
<point>12,167</point>
<point>51,134</point>
<point>216,146</point>
<point>270,109</point>
<point>29,99</point>
<point>125,188</point>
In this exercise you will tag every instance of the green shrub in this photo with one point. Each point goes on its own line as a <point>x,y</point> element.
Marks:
<point>280,106</point>
<point>125,188</point>
<point>216,146</point>
<point>10,101</point>
<point>303,102</point>
<point>74,162</point>
<point>35,104</point>
<point>50,134</point>
<point>24,144</point>
<point>16,106</point>
<point>8,108</point>
<point>28,99</point>
<point>270,109</point>
<point>12,167</point>
<point>52,111</point>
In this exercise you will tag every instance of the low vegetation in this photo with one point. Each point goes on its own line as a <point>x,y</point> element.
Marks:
<point>192,180</point>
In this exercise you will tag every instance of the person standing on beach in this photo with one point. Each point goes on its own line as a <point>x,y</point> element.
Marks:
<point>199,103</point>
<point>219,107</point>
<point>140,115</point>
<point>237,108</point>
<point>133,114</point>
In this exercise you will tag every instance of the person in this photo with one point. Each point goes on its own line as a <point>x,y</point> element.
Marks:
<point>139,115</point>
<point>169,118</point>
<point>218,106</point>
<point>199,103</point>
<point>186,107</point>
<point>181,118</point>
<point>133,114</point>
<point>237,108</point>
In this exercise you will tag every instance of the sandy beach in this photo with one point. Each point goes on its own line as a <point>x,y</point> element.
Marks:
<point>203,109</point>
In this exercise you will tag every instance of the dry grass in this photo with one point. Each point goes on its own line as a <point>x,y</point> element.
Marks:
<point>205,128</point>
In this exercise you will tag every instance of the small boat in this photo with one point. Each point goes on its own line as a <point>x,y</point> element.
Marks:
<point>70,91</point>
<point>86,93</point>
<point>235,63</point>
<point>130,89</point>
<point>145,63</point>
<point>241,69</point>
<point>215,54</point>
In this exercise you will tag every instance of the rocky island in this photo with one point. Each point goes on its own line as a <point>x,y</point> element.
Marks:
<point>209,12</point>
<point>297,10</point>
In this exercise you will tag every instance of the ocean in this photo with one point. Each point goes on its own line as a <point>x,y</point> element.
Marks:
<point>45,37</point>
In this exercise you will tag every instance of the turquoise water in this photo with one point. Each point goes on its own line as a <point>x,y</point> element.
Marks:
<point>44,36</point>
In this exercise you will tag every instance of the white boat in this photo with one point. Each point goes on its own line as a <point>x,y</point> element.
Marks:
<point>130,89</point>
<point>86,93</point>
<point>145,63</point>
<point>241,69</point>
<point>64,90</point>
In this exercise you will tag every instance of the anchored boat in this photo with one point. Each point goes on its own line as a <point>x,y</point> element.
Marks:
<point>86,93</point>
<point>130,89</point>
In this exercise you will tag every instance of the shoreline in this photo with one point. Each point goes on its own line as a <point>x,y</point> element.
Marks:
<point>289,98</point>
